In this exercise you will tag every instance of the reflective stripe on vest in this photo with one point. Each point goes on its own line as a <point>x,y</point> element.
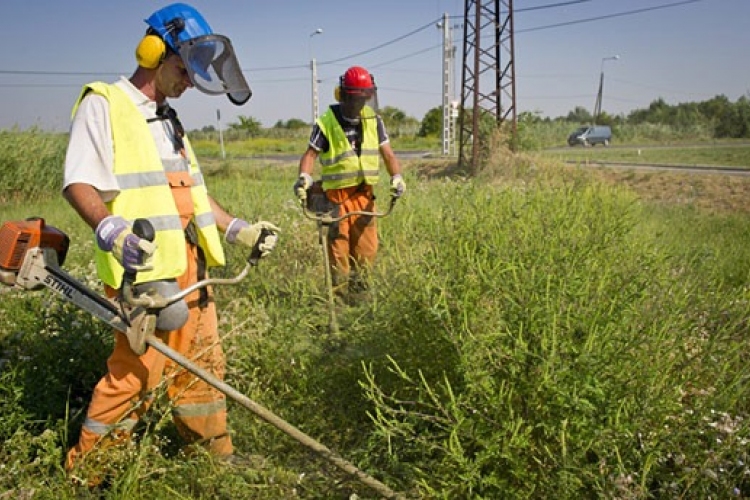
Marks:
<point>145,193</point>
<point>341,165</point>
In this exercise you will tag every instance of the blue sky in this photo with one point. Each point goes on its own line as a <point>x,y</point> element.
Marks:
<point>682,53</point>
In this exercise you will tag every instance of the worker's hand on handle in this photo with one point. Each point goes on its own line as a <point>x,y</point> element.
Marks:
<point>303,183</point>
<point>398,186</point>
<point>114,234</point>
<point>240,231</point>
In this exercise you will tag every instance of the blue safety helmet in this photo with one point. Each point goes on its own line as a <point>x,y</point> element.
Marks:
<point>209,58</point>
<point>178,23</point>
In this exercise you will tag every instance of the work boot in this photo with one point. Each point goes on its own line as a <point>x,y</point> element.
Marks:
<point>107,458</point>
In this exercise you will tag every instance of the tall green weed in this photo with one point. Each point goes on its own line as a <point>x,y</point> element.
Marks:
<point>532,334</point>
<point>31,164</point>
<point>572,350</point>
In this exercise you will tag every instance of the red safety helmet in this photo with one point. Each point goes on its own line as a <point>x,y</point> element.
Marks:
<point>357,81</point>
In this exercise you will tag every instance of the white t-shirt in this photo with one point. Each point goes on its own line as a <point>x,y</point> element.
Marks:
<point>90,155</point>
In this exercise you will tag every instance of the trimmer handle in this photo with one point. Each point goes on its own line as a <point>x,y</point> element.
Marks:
<point>145,230</point>
<point>255,253</point>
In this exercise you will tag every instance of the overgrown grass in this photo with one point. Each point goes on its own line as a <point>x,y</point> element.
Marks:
<point>30,164</point>
<point>534,333</point>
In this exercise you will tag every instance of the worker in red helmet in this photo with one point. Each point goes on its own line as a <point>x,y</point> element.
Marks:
<point>349,139</point>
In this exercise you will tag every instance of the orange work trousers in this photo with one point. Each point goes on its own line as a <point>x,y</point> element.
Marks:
<point>353,241</point>
<point>125,392</point>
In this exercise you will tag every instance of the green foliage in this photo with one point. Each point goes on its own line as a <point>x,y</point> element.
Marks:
<point>398,124</point>
<point>724,118</point>
<point>571,355</point>
<point>292,124</point>
<point>432,123</point>
<point>247,124</point>
<point>30,164</point>
<point>580,115</point>
<point>530,335</point>
<point>735,121</point>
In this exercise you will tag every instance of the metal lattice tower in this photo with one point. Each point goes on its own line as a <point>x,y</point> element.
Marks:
<point>488,82</point>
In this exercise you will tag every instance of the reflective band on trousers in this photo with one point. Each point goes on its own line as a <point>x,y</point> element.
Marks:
<point>145,193</point>
<point>101,429</point>
<point>341,165</point>
<point>200,409</point>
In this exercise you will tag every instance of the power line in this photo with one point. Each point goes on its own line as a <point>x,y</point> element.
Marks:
<point>550,6</point>
<point>57,73</point>
<point>407,56</point>
<point>39,85</point>
<point>608,16</point>
<point>390,42</point>
<point>428,25</point>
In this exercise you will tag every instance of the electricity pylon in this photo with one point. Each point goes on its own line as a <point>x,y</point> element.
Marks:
<point>488,82</point>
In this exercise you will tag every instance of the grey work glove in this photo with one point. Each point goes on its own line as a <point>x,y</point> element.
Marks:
<point>304,182</point>
<point>240,231</point>
<point>114,234</point>
<point>398,186</point>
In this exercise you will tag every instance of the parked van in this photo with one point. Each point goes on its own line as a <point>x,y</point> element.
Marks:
<point>591,136</point>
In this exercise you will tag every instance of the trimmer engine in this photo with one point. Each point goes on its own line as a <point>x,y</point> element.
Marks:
<point>18,237</point>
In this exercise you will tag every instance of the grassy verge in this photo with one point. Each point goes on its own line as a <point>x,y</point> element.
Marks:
<point>721,154</point>
<point>539,331</point>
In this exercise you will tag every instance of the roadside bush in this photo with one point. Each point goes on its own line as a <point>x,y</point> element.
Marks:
<point>572,352</point>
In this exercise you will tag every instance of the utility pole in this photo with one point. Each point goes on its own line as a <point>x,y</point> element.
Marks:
<point>448,91</point>
<point>600,94</point>
<point>221,135</point>
<point>493,65</point>
<point>314,75</point>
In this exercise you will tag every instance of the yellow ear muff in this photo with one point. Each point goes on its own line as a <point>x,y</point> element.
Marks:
<point>337,93</point>
<point>150,52</point>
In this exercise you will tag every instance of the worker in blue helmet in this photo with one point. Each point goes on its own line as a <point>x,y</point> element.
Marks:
<point>128,157</point>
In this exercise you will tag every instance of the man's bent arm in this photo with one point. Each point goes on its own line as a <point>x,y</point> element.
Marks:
<point>85,199</point>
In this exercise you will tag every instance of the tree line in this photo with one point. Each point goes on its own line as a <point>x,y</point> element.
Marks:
<point>726,119</point>
<point>722,117</point>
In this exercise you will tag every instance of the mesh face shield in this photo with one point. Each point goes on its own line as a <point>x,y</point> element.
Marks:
<point>359,103</point>
<point>213,67</point>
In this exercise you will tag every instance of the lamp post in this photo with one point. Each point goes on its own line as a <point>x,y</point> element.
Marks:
<point>314,75</point>
<point>598,104</point>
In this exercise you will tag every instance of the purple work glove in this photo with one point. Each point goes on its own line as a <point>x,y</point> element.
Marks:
<point>113,234</point>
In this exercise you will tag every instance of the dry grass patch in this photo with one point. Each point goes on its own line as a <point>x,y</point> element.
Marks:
<point>717,193</point>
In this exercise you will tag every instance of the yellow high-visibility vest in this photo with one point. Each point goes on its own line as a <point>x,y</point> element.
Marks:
<point>145,193</point>
<point>341,166</point>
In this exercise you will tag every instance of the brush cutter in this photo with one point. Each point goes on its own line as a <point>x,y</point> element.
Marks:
<point>31,254</point>
<point>325,217</point>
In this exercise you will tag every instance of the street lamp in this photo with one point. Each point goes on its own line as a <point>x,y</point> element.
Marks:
<point>314,75</point>
<point>598,104</point>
